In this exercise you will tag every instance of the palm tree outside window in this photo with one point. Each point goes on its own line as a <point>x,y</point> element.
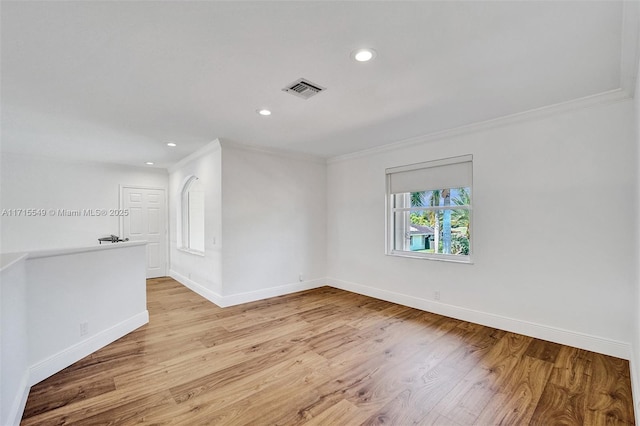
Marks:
<point>427,217</point>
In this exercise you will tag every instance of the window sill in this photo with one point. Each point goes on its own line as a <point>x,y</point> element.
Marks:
<point>441,258</point>
<point>190,251</point>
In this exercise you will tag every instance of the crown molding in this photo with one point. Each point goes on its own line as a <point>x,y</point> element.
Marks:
<point>630,46</point>
<point>78,162</point>
<point>210,147</point>
<point>604,98</point>
<point>273,151</point>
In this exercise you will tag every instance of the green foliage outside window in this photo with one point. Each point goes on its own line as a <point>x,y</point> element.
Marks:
<point>451,226</point>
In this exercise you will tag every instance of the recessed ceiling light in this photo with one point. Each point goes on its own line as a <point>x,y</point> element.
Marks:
<point>171,144</point>
<point>149,163</point>
<point>363,55</point>
<point>264,112</point>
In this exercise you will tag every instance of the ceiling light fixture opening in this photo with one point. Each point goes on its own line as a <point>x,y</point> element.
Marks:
<point>171,144</point>
<point>264,112</point>
<point>149,163</point>
<point>363,55</point>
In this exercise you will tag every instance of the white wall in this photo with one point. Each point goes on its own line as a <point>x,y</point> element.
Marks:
<point>104,287</point>
<point>14,364</point>
<point>46,295</point>
<point>201,273</point>
<point>552,247</point>
<point>274,217</point>
<point>44,183</point>
<point>273,207</point>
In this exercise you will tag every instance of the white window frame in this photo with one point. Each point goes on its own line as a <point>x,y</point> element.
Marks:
<point>184,218</point>
<point>391,209</point>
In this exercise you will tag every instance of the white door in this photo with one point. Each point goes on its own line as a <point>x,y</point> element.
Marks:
<point>146,221</point>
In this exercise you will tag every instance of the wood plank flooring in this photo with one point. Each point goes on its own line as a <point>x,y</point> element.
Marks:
<point>327,357</point>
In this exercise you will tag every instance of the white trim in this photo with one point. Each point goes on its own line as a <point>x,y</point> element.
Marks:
<point>210,147</point>
<point>95,163</point>
<point>440,257</point>
<point>635,380</point>
<point>8,260</point>
<point>191,251</point>
<point>167,243</point>
<point>184,217</point>
<point>203,291</point>
<point>540,331</point>
<point>159,188</point>
<point>390,209</point>
<point>274,151</point>
<point>250,296</point>
<point>68,356</point>
<point>468,158</point>
<point>20,401</point>
<point>604,98</point>
<point>74,250</point>
<point>629,43</point>
<point>433,208</point>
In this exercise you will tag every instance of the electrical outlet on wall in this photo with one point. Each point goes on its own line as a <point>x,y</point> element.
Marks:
<point>84,328</point>
<point>436,295</point>
<point>300,277</point>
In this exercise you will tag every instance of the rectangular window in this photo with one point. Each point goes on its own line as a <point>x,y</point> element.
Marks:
<point>429,209</point>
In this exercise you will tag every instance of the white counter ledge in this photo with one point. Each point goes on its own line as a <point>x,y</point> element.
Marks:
<point>75,250</point>
<point>9,259</point>
<point>60,305</point>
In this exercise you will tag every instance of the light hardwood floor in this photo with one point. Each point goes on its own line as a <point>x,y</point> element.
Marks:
<point>327,357</point>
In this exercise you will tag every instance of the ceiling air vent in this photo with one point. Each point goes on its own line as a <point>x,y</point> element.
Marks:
<point>303,88</point>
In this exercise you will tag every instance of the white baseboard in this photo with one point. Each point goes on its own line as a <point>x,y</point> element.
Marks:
<point>634,367</point>
<point>65,358</point>
<point>250,296</point>
<point>17,407</point>
<point>208,294</point>
<point>540,331</point>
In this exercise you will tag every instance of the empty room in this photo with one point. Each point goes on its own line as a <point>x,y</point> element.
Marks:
<point>319,212</point>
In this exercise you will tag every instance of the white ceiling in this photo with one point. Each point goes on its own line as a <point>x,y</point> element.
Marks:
<point>115,81</point>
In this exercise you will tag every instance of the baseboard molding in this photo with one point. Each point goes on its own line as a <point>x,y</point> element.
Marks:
<point>65,358</point>
<point>250,296</point>
<point>17,407</point>
<point>540,331</point>
<point>634,367</point>
<point>208,294</point>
